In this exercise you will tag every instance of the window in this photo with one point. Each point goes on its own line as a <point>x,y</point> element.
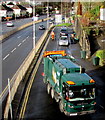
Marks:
<point>72,92</point>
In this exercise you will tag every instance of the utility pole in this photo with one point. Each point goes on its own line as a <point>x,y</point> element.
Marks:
<point>47,14</point>
<point>33,24</point>
<point>61,8</point>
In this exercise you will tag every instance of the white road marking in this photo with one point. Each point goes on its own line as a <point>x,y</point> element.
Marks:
<point>27,36</point>
<point>24,40</point>
<point>6,56</point>
<point>13,50</point>
<point>18,36</point>
<point>19,44</point>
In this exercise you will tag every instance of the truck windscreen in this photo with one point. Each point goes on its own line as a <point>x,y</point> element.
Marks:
<point>78,92</point>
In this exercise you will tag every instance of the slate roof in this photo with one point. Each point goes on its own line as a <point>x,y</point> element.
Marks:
<point>4,7</point>
<point>21,7</point>
<point>11,3</point>
<point>27,6</point>
<point>15,7</point>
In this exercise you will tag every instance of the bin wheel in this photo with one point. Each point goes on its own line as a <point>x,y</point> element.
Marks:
<point>52,93</point>
<point>48,88</point>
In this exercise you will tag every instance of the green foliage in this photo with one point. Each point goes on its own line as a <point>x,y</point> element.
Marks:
<point>64,24</point>
<point>101,54</point>
<point>38,10</point>
<point>95,12</point>
<point>97,31</point>
<point>87,30</point>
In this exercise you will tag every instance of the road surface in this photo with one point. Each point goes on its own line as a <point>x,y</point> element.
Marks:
<point>40,105</point>
<point>15,49</point>
<point>17,23</point>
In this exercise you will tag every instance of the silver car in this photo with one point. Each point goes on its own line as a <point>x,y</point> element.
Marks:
<point>63,40</point>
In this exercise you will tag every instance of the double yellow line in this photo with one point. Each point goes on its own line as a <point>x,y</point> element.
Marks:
<point>26,97</point>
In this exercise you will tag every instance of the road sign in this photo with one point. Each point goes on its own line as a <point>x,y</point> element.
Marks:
<point>58,18</point>
<point>34,18</point>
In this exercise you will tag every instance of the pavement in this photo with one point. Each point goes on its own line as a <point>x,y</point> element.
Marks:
<point>85,63</point>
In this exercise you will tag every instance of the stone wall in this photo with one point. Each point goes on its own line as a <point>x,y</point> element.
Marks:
<point>83,38</point>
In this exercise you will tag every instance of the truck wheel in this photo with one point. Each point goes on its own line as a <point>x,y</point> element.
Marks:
<point>61,106</point>
<point>52,93</point>
<point>57,99</point>
<point>48,88</point>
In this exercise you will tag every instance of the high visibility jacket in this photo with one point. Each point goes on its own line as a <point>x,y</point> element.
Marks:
<point>52,35</point>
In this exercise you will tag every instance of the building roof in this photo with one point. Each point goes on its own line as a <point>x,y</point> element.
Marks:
<point>21,7</point>
<point>11,3</point>
<point>27,6</point>
<point>15,7</point>
<point>4,7</point>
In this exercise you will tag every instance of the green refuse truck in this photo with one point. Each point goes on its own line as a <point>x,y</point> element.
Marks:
<point>68,84</point>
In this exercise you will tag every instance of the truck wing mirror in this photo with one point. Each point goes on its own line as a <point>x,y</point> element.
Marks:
<point>83,70</point>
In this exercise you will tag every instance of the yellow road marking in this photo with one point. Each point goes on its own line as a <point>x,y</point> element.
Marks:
<point>23,108</point>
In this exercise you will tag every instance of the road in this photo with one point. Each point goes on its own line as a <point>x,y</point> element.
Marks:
<point>40,105</point>
<point>17,23</point>
<point>15,49</point>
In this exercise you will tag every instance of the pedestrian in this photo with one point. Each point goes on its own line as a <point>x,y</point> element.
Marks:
<point>52,35</point>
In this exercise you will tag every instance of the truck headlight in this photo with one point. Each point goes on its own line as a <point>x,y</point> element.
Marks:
<point>71,94</point>
<point>70,106</point>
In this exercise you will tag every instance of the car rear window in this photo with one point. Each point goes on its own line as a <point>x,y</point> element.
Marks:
<point>63,29</point>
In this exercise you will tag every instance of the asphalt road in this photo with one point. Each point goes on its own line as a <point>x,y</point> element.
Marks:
<point>40,105</point>
<point>15,49</point>
<point>17,23</point>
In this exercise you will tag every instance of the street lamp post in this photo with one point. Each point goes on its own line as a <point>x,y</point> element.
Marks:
<point>61,8</point>
<point>33,25</point>
<point>47,14</point>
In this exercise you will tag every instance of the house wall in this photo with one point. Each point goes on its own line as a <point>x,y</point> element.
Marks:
<point>29,10</point>
<point>9,14</point>
<point>17,12</point>
<point>2,13</point>
<point>23,12</point>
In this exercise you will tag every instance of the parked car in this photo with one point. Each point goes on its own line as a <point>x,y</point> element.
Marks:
<point>52,18</point>
<point>37,15</point>
<point>51,22</point>
<point>3,19</point>
<point>41,27</point>
<point>64,31</point>
<point>63,40</point>
<point>10,24</point>
<point>49,15</point>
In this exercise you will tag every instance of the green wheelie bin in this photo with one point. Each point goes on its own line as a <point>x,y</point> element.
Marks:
<point>95,60</point>
<point>83,54</point>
